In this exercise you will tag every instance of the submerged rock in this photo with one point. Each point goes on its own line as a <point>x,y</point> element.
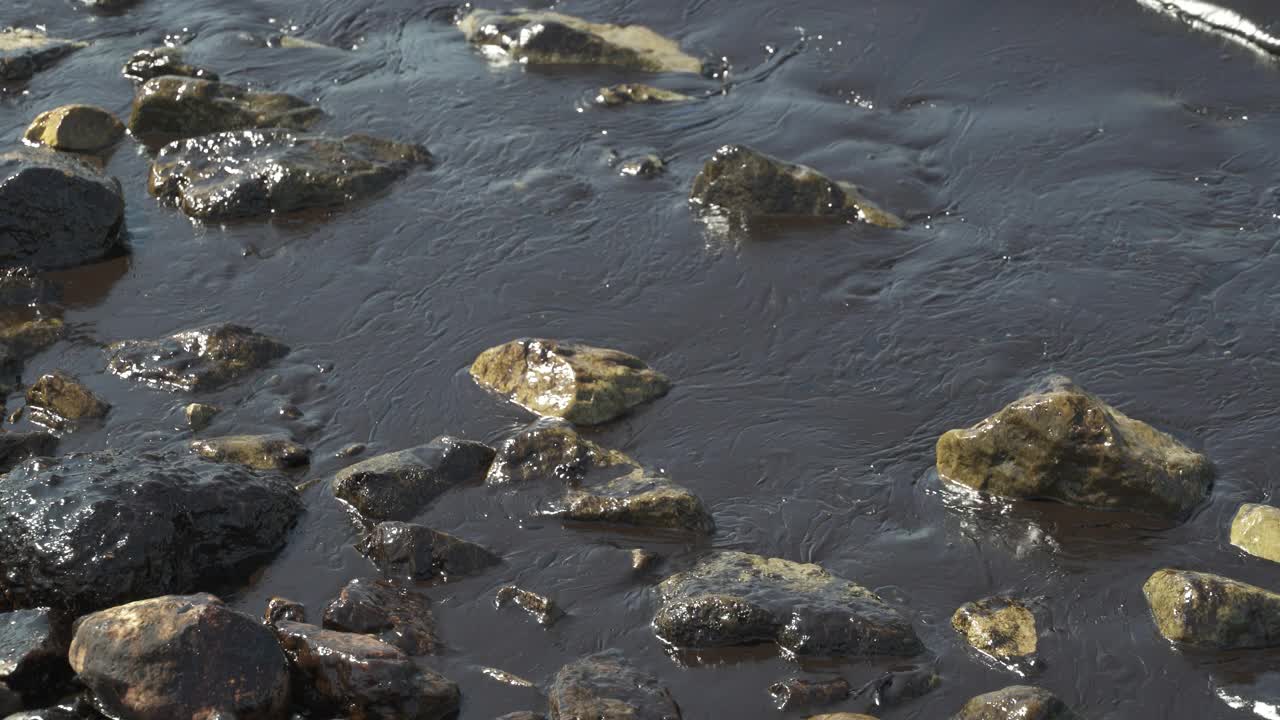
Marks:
<point>260,452</point>
<point>200,415</point>
<point>75,128</point>
<point>551,449</point>
<point>734,598</point>
<point>399,485</point>
<point>1256,530</point>
<point>259,173</point>
<point>147,64</point>
<point>1017,702</point>
<point>1211,611</point>
<point>1000,627</point>
<point>33,654</point>
<point>391,612</point>
<point>280,609</point>
<point>23,287</point>
<point>202,359</point>
<point>58,400</point>
<point>648,166</point>
<point>173,524</point>
<point>170,107</point>
<point>416,552</point>
<point>551,38</point>
<point>628,93</point>
<point>798,692</point>
<point>16,447</point>
<point>743,184</point>
<point>582,384</point>
<point>1067,445</point>
<point>641,499</point>
<point>540,607</point>
<point>524,715</point>
<point>606,686</point>
<point>25,52</point>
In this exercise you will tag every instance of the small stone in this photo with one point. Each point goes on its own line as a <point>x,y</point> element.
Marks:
<point>799,693</point>
<point>147,64</point>
<point>33,654</point>
<point>642,560</point>
<point>605,685</point>
<point>289,411</point>
<point>1211,611</point>
<point>523,715</point>
<point>25,52</point>
<point>540,607</point>
<point>198,360</point>
<point>649,166</point>
<point>507,678</point>
<point>1000,627</point>
<point>58,400</point>
<point>898,685</point>
<point>1256,530</point>
<point>399,485</point>
<point>415,552</point>
<point>351,450</point>
<point>280,609</point>
<point>260,452</point>
<point>638,499</point>
<point>76,128</point>
<point>628,93</point>
<point>1017,702</point>
<point>200,415</point>
<point>170,107</point>
<point>389,611</point>
<point>15,447</point>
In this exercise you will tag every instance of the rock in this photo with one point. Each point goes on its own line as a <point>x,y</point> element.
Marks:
<point>172,523</point>
<point>399,485</point>
<point>171,107</point>
<point>415,552</point>
<point>23,287</point>
<point>200,415</point>
<point>358,676</point>
<point>389,611</point>
<point>280,609</point>
<point>77,708</point>
<point>841,716</point>
<point>10,701</point>
<point>1211,611</point>
<point>351,450</point>
<point>898,685</point>
<point>523,715</point>
<point>57,211</point>
<point>649,166</point>
<point>1067,445</point>
<point>109,6</point>
<point>1017,702</point>
<point>743,184</point>
<point>58,400</point>
<point>260,173</point>
<point>551,449</point>
<point>604,686</point>
<point>506,678</point>
<point>640,499</point>
<point>999,627</point>
<point>25,52</point>
<point>628,93</point>
<point>540,607</point>
<point>75,128</point>
<point>187,656</point>
<point>1256,530</point>
<point>584,385</point>
<point>799,693</point>
<point>198,360</point>
<point>260,452</point>
<point>16,447</point>
<point>734,598</point>
<point>33,654</point>
<point>147,64</point>
<point>550,38</point>
<point>642,560</point>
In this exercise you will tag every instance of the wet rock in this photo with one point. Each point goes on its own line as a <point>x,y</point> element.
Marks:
<point>15,447</point>
<point>1017,702</point>
<point>1001,627</point>
<point>25,52</point>
<point>170,107</point>
<point>198,360</point>
<point>33,654</point>
<point>109,5</point>
<point>361,677</point>
<point>734,598</point>
<point>147,64</point>
<point>260,452</point>
<point>200,415</point>
<point>649,166</point>
<point>629,93</point>
<point>259,173</point>
<point>550,38</point>
<point>1211,611</point>
<point>584,385</point>
<point>551,449</point>
<point>180,656</point>
<point>173,523</point>
<point>1067,445</point>
<point>75,128</point>
<point>640,499</point>
<point>389,611</point>
<point>58,400</point>
<point>898,685</point>
<point>399,485</point>
<point>1256,530</point>
<point>607,687</point>
<point>351,450</point>
<point>540,607</point>
<point>416,552</point>
<point>280,609</point>
<point>57,211</point>
<point>799,693</point>
<point>23,287</point>
<point>77,708</point>
<point>743,184</point>
<point>841,716</point>
<point>642,560</point>
<point>10,701</point>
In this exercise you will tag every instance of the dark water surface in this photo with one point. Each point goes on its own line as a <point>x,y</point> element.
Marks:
<point>1092,191</point>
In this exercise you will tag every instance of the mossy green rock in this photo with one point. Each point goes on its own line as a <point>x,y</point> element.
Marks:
<point>551,449</point>
<point>169,107</point>
<point>1067,445</point>
<point>583,384</point>
<point>1001,627</point>
<point>1256,530</point>
<point>1211,611</point>
<point>639,499</point>
<point>25,52</point>
<point>57,400</point>
<point>1016,702</point>
<point>201,359</point>
<point>260,452</point>
<point>735,598</point>
<point>75,128</point>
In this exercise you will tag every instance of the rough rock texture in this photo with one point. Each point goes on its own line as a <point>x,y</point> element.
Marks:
<point>551,449</point>
<point>260,452</point>
<point>640,499</point>
<point>57,211</point>
<point>59,400</point>
<point>1001,627</point>
<point>604,686</point>
<point>181,656</point>
<point>540,607</point>
<point>1211,611</point>
<point>416,552</point>
<point>628,93</point>
<point>1067,445</point>
<point>551,38</point>
<point>202,359</point>
<point>1017,702</point>
<point>280,609</point>
<point>734,598</point>
<point>259,173</point>
<point>16,447</point>
<point>171,107</point>
<point>153,63</point>
<point>76,128</point>
<point>582,384</point>
<point>389,611</point>
<point>200,415</point>
<point>399,485</point>
<point>25,52</point>
<point>1256,530</point>
<point>743,184</point>
<point>358,676</point>
<point>173,524</point>
<point>799,692</point>
<point>33,654</point>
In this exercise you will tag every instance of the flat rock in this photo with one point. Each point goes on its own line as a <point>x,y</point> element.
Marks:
<point>147,64</point>
<point>639,499</point>
<point>636,93</point>
<point>1001,627</point>
<point>260,173</point>
<point>1017,702</point>
<point>33,654</point>
<point>416,552</point>
<point>25,52</point>
<point>260,452</point>
<point>735,598</point>
<point>399,485</point>
<point>582,384</point>
<point>75,128</point>
<point>202,359</point>
<point>1256,530</point>
<point>551,449</point>
<point>389,611</point>
<point>1213,612</point>
<point>604,686</point>
<point>59,400</point>
<point>171,107</point>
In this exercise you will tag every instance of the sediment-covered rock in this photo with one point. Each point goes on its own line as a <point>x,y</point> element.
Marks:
<point>1211,611</point>
<point>33,655</point>
<point>1016,702</point>
<point>416,552</point>
<point>796,693</point>
<point>260,452</point>
<point>641,499</point>
<point>389,611</point>
<point>59,400</point>
<point>551,449</point>
<point>198,360</point>
<point>25,52</point>
<point>605,685</point>
<point>629,93</point>
<point>399,485</point>
<point>147,64</point>
<point>1256,530</point>
<point>75,128</point>
<point>280,609</point>
<point>540,607</point>
<point>171,107</point>
<point>1001,627</point>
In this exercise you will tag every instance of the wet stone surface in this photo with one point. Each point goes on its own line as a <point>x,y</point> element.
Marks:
<point>144,65</point>
<point>398,485</point>
<point>75,128</point>
<point>202,359</point>
<point>636,93</point>
<point>638,499</point>
<point>260,452</point>
<point>801,693</point>
<point>169,108</point>
<point>390,611</point>
<point>24,52</point>
<point>605,685</point>
<point>1001,627</point>
<point>551,449</point>
<point>1213,612</point>
<point>1017,702</point>
<point>541,608</point>
<point>416,552</point>
<point>280,609</point>
<point>33,654</point>
<point>1255,529</point>
<point>59,400</point>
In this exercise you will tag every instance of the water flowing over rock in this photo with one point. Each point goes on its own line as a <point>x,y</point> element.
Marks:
<point>416,552</point>
<point>75,128</point>
<point>399,485</point>
<point>171,107</point>
<point>16,447</point>
<point>147,64</point>
<point>59,400</point>
<point>551,449</point>
<point>1016,702</point>
<point>606,686</point>
<point>1256,530</point>
<point>33,655</point>
<point>389,611</point>
<point>639,499</point>
<point>260,452</point>
<point>202,359</point>
<point>540,607</point>
<point>1212,612</point>
<point>636,93</point>
<point>1001,627</point>
<point>25,52</point>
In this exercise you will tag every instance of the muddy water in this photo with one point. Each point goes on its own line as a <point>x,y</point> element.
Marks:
<point>1092,191</point>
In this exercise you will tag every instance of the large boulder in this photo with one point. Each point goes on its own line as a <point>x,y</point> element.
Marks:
<point>197,360</point>
<point>416,552</point>
<point>1256,530</point>
<point>171,107</point>
<point>181,656</point>
<point>57,211</point>
<point>1000,627</point>
<point>389,611</point>
<point>144,65</point>
<point>1213,612</point>
<point>399,485</point>
<point>91,530</point>
<point>735,598</point>
<point>604,686</point>
<point>33,654</point>
<point>260,452</point>
<point>25,52</point>
<point>59,400</point>
<point>743,184</point>
<point>551,449</point>
<point>1067,445</point>
<point>639,499</point>
<point>75,128</point>
<point>1016,702</point>
<point>582,384</point>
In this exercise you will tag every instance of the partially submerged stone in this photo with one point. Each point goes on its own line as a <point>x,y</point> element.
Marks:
<point>200,415</point>
<point>639,499</point>
<point>1067,445</point>
<point>416,552</point>
<point>389,611</point>
<point>582,384</point>
<point>33,654</point>
<point>399,485</point>
<point>796,693</point>
<point>551,38</point>
<point>550,449</point>
<point>22,286</point>
<point>59,400</point>
<point>260,173</point>
<point>1256,530</point>
<point>606,686</point>
<point>147,64</point>
<point>25,52</point>
<point>260,452</point>
<point>198,360</point>
<point>1001,627</point>
<point>628,93</point>
<point>540,607</point>
<point>1016,702</point>
<point>735,598</point>
<point>15,447</point>
<point>897,685</point>
<point>841,716</point>
<point>170,107</point>
<point>647,166</point>
<point>75,128</point>
<point>1212,612</point>
<point>280,609</point>
<point>743,184</point>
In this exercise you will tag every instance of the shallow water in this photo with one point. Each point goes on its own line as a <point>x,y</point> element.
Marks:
<point>1091,188</point>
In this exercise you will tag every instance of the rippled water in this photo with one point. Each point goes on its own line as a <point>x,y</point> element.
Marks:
<point>1092,191</point>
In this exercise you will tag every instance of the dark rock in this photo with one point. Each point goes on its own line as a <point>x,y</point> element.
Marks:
<point>523,715</point>
<point>180,656</point>
<point>640,499</point>
<point>173,524</point>
<point>78,709</point>
<point>25,52</point>
<point>200,415</point>
<point>540,607</point>
<point>280,609</point>
<point>551,449</point>
<point>389,611</point>
<point>648,166</point>
<point>260,452</point>
<point>171,108</point>
<point>1211,611</point>
<point>75,128</point>
<point>799,693</point>
<point>260,173</point>
<point>16,447</point>
<point>1017,702</point>
<point>147,64</point>
<point>33,654</point>
<point>1255,529</point>
<point>10,701</point>
<point>416,552</point>
<point>506,678</point>
<point>109,6</point>
<point>604,686</point>
<point>23,287</point>
<point>629,93</point>
<point>899,685</point>
<point>58,400</point>
<point>198,360</point>
<point>399,485</point>
<point>351,450</point>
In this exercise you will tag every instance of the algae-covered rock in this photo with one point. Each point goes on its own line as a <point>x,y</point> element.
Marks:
<point>551,449</point>
<point>1256,530</point>
<point>260,452</point>
<point>1016,702</point>
<point>1211,611</point>
<point>636,93</point>
<point>551,38</point>
<point>1067,445</point>
<point>399,485</point>
<point>640,499</point>
<point>146,64</point>
<point>25,52</point>
<point>75,128</point>
<point>1002,627</point>
<point>259,173</point>
<point>735,598</point>
<point>59,400</point>
<point>743,184</point>
<point>198,360</point>
<point>171,107</point>
<point>582,384</point>
<point>604,686</point>
<point>389,611</point>
<point>416,552</point>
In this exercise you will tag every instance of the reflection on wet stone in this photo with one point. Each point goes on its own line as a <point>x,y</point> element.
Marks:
<point>169,107</point>
<point>202,359</point>
<point>398,485</point>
